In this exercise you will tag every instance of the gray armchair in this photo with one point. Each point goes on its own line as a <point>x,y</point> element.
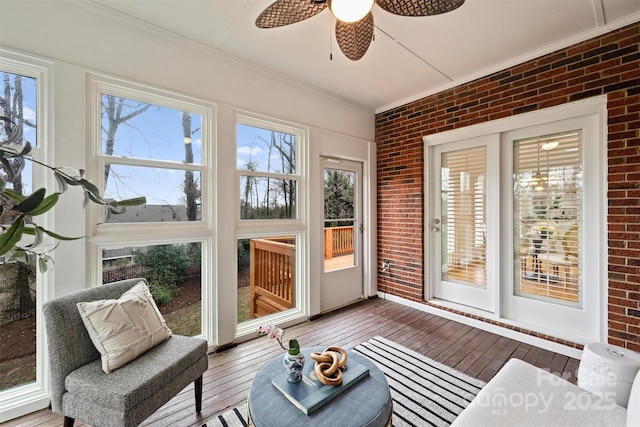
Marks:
<point>81,389</point>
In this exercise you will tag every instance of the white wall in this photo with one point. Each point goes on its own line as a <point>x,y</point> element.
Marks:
<point>78,38</point>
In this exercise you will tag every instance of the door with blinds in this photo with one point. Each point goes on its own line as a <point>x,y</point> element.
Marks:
<point>465,185</point>
<point>547,217</point>
<point>554,211</point>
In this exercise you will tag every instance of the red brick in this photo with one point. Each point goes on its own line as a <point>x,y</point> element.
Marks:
<point>572,73</point>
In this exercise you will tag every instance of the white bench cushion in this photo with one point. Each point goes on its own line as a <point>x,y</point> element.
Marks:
<point>522,395</point>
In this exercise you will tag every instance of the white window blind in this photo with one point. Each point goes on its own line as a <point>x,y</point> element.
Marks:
<point>547,196</point>
<point>464,216</point>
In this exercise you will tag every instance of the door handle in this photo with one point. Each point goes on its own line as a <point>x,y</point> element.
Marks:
<point>435,226</point>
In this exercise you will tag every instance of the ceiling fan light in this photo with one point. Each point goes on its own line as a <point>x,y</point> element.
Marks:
<point>350,10</point>
<point>549,145</point>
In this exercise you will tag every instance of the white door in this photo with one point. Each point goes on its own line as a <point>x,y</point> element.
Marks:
<point>464,196</point>
<point>342,279</point>
<point>554,210</point>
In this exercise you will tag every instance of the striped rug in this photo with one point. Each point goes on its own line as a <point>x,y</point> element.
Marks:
<point>424,392</point>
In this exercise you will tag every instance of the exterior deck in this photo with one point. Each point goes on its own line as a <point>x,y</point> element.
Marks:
<point>226,384</point>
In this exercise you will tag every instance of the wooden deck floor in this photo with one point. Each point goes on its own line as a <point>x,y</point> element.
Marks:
<point>226,384</point>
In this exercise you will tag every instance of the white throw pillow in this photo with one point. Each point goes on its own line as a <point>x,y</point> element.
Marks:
<point>125,328</point>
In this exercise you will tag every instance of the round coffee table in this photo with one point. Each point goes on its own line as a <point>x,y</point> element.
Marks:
<point>366,403</point>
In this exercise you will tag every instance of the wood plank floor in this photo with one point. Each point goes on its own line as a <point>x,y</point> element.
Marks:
<point>226,383</point>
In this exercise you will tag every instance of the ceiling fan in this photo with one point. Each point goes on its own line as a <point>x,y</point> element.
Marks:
<point>354,20</point>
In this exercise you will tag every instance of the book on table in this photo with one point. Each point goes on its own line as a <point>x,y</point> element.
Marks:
<point>310,394</point>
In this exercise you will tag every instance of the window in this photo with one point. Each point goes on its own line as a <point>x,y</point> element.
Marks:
<point>18,287</point>
<point>267,161</point>
<point>156,144</point>
<point>25,81</point>
<point>152,150</point>
<point>174,274</point>
<point>269,226</point>
<point>547,215</point>
<point>464,215</point>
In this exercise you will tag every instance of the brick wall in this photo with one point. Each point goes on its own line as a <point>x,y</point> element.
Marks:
<point>609,64</point>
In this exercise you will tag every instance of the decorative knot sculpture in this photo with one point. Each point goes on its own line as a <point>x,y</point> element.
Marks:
<point>329,365</point>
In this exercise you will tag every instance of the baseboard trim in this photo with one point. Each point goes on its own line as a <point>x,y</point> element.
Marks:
<point>496,329</point>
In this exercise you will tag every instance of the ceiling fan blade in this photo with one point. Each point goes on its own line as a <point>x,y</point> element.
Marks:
<point>419,7</point>
<point>285,12</point>
<point>354,38</point>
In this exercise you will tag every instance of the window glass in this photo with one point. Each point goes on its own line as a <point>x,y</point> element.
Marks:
<point>267,161</point>
<point>174,275</point>
<point>265,150</point>
<point>137,129</point>
<point>339,222</point>
<point>266,276</point>
<point>18,101</point>
<point>172,195</point>
<point>152,151</point>
<point>547,216</point>
<point>267,198</point>
<point>463,216</point>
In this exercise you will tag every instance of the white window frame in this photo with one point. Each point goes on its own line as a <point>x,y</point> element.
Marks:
<point>142,93</point>
<point>255,228</point>
<point>100,236</point>
<point>31,397</point>
<point>594,219</point>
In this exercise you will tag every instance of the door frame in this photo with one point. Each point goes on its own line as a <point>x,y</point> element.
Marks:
<point>596,106</point>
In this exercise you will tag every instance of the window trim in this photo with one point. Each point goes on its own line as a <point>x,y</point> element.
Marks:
<point>100,236</point>
<point>256,228</point>
<point>300,133</point>
<point>34,396</point>
<point>100,84</point>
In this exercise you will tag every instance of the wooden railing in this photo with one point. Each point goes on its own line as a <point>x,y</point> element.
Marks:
<point>272,275</point>
<point>338,241</point>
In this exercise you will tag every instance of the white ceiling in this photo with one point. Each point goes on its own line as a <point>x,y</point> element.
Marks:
<point>410,57</point>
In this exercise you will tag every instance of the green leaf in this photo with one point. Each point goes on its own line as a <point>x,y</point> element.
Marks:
<point>48,203</point>
<point>66,178</point>
<point>7,167</point>
<point>58,236</point>
<point>116,210</point>
<point>9,238</point>
<point>20,166</point>
<point>61,182</point>
<point>95,199</point>
<point>38,239</point>
<point>16,197</point>
<point>25,150</point>
<point>16,131</point>
<point>130,202</point>
<point>43,263</point>
<point>90,187</point>
<point>31,202</point>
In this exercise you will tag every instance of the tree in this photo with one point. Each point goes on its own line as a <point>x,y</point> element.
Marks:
<point>116,112</point>
<point>338,194</point>
<point>12,107</point>
<point>250,188</point>
<point>191,190</point>
<point>278,201</point>
<point>22,209</point>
